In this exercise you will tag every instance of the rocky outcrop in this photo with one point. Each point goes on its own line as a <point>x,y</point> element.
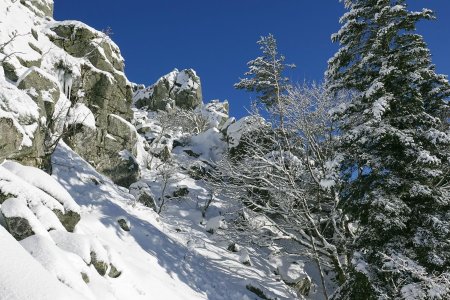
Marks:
<point>217,113</point>
<point>68,83</point>
<point>10,139</point>
<point>45,92</point>
<point>18,227</point>
<point>102,87</point>
<point>113,272</point>
<point>178,88</point>
<point>242,134</point>
<point>80,40</point>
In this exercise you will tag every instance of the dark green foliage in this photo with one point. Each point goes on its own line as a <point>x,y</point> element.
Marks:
<point>395,147</point>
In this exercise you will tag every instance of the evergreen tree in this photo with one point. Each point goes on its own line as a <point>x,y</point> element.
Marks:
<point>266,76</point>
<point>395,143</point>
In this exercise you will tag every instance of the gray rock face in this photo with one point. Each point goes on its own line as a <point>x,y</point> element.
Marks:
<point>180,88</point>
<point>90,73</point>
<point>18,226</point>
<point>109,153</point>
<point>42,88</point>
<point>147,200</point>
<point>22,130</point>
<point>10,139</point>
<point>122,130</point>
<point>110,146</point>
<point>45,92</point>
<point>181,192</point>
<point>10,71</point>
<point>85,277</point>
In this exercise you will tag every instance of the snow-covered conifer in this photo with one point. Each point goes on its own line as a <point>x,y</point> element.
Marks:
<point>395,144</point>
<point>266,76</point>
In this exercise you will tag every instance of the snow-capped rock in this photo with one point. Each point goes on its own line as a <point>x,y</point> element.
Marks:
<point>180,88</point>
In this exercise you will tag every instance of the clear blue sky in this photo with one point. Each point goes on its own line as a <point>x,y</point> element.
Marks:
<point>218,37</point>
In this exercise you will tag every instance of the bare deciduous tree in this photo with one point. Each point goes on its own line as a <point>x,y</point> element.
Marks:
<point>290,176</point>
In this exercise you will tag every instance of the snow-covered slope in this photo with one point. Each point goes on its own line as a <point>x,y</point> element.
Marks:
<point>165,257</point>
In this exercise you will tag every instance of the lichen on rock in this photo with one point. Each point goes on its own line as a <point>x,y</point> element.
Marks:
<point>69,219</point>
<point>99,265</point>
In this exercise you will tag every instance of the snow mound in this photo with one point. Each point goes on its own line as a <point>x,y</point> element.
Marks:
<point>64,266</point>
<point>242,127</point>
<point>215,223</point>
<point>24,278</point>
<point>13,185</point>
<point>216,113</point>
<point>44,182</point>
<point>81,114</point>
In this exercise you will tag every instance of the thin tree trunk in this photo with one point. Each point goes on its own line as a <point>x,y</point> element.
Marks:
<point>163,198</point>
<point>316,258</point>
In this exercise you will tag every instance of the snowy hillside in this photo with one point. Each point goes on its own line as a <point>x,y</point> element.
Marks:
<point>102,188</point>
<point>168,257</point>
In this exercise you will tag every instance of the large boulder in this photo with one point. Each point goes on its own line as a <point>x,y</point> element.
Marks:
<point>19,220</point>
<point>106,93</point>
<point>243,134</point>
<point>178,88</point>
<point>68,219</point>
<point>123,130</point>
<point>18,227</point>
